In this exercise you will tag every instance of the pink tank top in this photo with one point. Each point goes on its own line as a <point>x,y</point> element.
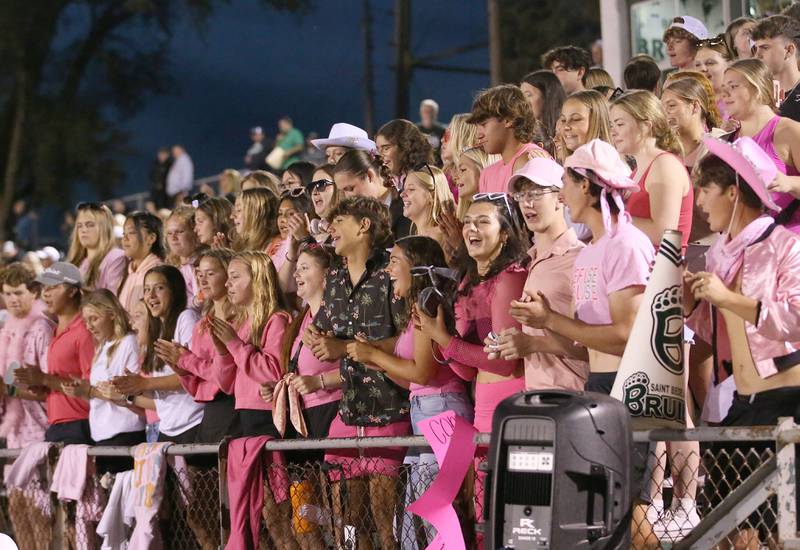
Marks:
<point>766,139</point>
<point>494,178</point>
<point>638,204</point>
<point>445,380</point>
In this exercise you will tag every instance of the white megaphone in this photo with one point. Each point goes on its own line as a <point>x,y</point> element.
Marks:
<point>651,379</point>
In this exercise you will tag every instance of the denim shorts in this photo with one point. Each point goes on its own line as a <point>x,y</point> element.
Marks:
<point>428,406</point>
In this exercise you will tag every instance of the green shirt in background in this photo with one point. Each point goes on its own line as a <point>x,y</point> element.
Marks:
<point>292,139</point>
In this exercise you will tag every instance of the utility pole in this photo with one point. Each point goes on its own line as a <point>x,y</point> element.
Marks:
<point>495,49</point>
<point>402,38</point>
<point>369,89</point>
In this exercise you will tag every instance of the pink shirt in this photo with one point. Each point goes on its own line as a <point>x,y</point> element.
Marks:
<point>187,270</point>
<point>242,372</point>
<point>308,365</point>
<point>444,381</point>
<point>550,273</point>
<point>484,310</point>
<point>133,288</point>
<point>201,382</point>
<point>25,341</point>
<point>70,355</point>
<point>494,178</point>
<point>607,266</point>
<point>765,138</point>
<point>110,272</point>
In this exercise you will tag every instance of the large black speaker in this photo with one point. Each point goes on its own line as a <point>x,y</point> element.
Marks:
<point>559,473</point>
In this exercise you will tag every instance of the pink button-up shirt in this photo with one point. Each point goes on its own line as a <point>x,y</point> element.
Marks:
<point>770,274</point>
<point>110,272</point>
<point>133,288</point>
<point>550,273</point>
<point>25,341</point>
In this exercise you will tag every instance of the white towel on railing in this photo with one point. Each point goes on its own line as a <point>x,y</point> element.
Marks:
<point>69,477</point>
<point>20,473</point>
<point>119,513</point>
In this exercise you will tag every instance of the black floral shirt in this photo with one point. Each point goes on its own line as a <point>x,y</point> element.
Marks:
<point>369,397</point>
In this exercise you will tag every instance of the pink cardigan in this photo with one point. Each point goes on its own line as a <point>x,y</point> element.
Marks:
<point>202,382</point>
<point>242,372</point>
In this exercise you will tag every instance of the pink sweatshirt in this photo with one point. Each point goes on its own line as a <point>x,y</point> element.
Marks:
<point>110,272</point>
<point>242,372</point>
<point>202,382</point>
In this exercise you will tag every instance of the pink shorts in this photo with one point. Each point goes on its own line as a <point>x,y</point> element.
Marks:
<point>363,462</point>
<point>488,396</point>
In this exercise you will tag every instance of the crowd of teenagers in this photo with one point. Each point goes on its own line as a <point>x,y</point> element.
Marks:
<point>361,296</point>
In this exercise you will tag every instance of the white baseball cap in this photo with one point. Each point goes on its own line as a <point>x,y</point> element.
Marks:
<point>690,24</point>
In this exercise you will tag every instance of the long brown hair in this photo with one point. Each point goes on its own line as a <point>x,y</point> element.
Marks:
<point>323,255</point>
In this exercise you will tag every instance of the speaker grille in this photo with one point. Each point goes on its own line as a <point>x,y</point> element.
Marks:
<point>527,488</point>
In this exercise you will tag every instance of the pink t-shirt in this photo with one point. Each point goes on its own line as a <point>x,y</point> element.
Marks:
<point>444,381</point>
<point>308,365</point>
<point>494,178</point>
<point>606,266</point>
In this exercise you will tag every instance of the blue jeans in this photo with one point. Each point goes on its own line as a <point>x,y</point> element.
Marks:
<point>423,467</point>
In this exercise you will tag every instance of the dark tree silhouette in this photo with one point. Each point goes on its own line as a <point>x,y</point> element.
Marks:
<point>71,70</point>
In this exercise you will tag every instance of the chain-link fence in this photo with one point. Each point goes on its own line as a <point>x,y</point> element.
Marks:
<point>705,488</point>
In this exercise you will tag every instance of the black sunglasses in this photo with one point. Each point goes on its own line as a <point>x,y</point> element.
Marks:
<point>89,205</point>
<point>318,185</point>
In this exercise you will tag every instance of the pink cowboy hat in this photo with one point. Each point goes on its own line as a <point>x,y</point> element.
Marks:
<point>750,162</point>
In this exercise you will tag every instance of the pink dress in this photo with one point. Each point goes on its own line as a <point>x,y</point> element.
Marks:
<point>766,139</point>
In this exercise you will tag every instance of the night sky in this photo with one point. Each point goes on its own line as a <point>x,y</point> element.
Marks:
<point>252,65</point>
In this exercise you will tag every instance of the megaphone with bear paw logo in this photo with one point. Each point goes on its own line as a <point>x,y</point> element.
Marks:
<point>651,380</point>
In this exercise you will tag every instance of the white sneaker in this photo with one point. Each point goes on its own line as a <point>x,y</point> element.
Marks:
<point>655,511</point>
<point>676,524</point>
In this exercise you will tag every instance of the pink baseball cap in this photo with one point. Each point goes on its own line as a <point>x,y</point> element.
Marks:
<point>542,171</point>
<point>602,159</point>
<point>750,162</point>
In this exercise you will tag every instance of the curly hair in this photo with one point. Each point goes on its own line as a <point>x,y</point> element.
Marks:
<point>16,274</point>
<point>380,229</point>
<point>415,150</point>
<point>571,58</point>
<point>505,102</point>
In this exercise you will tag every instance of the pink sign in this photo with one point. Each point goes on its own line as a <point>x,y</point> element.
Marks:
<point>453,442</point>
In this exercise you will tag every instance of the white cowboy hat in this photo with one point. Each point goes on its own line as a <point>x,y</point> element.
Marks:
<point>345,135</point>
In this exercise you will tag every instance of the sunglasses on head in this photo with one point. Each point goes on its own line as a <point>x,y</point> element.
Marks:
<point>494,197</point>
<point>195,200</point>
<point>293,193</point>
<point>617,92</point>
<point>90,205</point>
<point>318,185</point>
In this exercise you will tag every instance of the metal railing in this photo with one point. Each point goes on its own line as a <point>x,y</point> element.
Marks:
<point>741,480</point>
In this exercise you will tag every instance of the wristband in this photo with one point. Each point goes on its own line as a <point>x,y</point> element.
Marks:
<point>130,399</point>
<point>322,381</point>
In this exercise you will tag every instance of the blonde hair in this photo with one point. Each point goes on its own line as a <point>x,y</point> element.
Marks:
<point>598,77</point>
<point>691,89</point>
<point>435,183</point>
<point>482,160</point>
<point>104,301</point>
<point>758,76</point>
<point>262,178</point>
<point>462,135</point>
<point>599,120</point>
<point>266,294</point>
<point>644,106</point>
<point>259,219</point>
<point>77,252</point>
<point>186,215</point>
<point>230,181</point>
<point>223,257</point>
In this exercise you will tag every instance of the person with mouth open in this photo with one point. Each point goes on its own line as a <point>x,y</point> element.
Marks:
<point>682,37</point>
